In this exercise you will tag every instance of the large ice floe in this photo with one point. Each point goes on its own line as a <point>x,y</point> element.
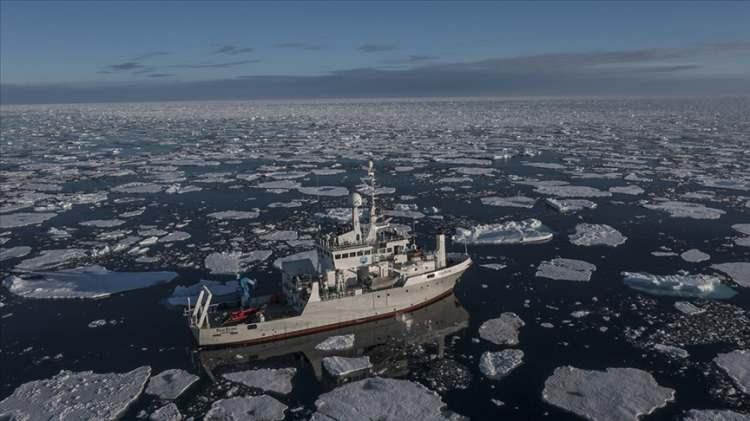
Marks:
<point>330,191</point>
<point>277,380</point>
<point>496,365</point>
<point>336,343</point>
<point>247,408</point>
<point>168,412</point>
<point>49,259</point>
<point>715,415</point>
<point>566,269</point>
<point>571,191</point>
<point>15,220</point>
<point>170,384</point>
<point>234,215</point>
<point>738,271</point>
<point>569,205</point>
<point>14,252</point>
<point>84,282</point>
<point>380,399</point>
<point>597,235</point>
<point>737,365</point>
<point>678,285</point>
<point>695,256</point>
<point>81,396</point>
<point>616,394</point>
<point>678,209</point>
<point>630,189</point>
<point>502,330</point>
<point>344,366</point>
<point>511,232</point>
<point>510,202</point>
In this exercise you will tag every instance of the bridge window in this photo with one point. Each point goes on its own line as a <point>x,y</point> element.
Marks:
<point>389,250</point>
<point>360,253</point>
<point>430,276</point>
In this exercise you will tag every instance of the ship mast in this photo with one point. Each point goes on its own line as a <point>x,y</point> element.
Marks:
<point>373,218</point>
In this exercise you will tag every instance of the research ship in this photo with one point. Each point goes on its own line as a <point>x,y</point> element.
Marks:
<point>370,272</point>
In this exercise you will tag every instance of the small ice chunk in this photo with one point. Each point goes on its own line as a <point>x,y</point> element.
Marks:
<point>279,236</point>
<point>337,343</point>
<point>695,256</point>
<point>494,266</point>
<point>496,365</point>
<point>570,205</point>
<point>137,187</point>
<point>571,191</point>
<point>83,282</point>
<point>511,232</point>
<point>102,223</point>
<point>679,285</point>
<point>566,269</point>
<point>738,271</point>
<point>267,379</point>
<point>343,366</point>
<point>597,235</point>
<point>510,202</point>
<point>14,252</point>
<point>630,189</point>
<point>715,415</point>
<point>248,408</point>
<point>170,384</point>
<point>330,191</point>
<point>502,330</point>
<point>15,220</point>
<point>81,395</point>
<point>174,237</point>
<point>671,351</point>
<point>737,365</point>
<point>168,412</point>
<point>97,323</point>
<point>617,394</point>
<point>380,399</point>
<point>685,210</point>
<point>234,215</point>
<point>688,308</point>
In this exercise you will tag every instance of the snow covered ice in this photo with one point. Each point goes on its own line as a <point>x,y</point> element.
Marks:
<point>343,366</point>
<point>715,415</point>
<point>512,232</point>
<point>249,408</point>
<point>616,394</point>
<point>679,285</point>
<point>76,396</point>
<point>677,209</point>
<point>496,365</point>
<point>597,235</point>
<point>695,256</point>
<point>502,330</point>
<point>738,271</point>
<point>170,384</point>
<point>84,282</point>
<point>566,269</point>
<point>277,380</point>
<point>737,365</point>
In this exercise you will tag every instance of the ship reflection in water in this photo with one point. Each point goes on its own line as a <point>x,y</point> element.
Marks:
<point>387,342</point>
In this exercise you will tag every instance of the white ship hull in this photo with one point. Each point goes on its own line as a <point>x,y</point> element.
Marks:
<point>417,292</point>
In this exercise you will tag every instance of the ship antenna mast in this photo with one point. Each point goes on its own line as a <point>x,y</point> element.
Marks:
<point>371,174</point>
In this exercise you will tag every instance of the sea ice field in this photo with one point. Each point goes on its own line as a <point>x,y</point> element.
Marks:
<point>610,240</point>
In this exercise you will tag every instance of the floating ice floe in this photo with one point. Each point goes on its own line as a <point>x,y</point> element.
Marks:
<point>233,262</point>
<point>677,209</point>
<point>570,205</point>
<point>695,256</point>
<point>344,366</point>
<point>671,351</point>
<point>102,223</point>
<point>496,365</point>
<point>631,190</point>
<point>597,235</point>
<point>566,269</point>
<point>511,232</point>
<point>502,330</point>
<point>97,323</point>
<point>267,379</point>
<point>181,294</point>
<point>510,202</point>
<point>168,412</point>
<point>715,415</point>
<point>174,237</point>
<point>82,396</point>
<point>234,215</point>
<point>688,308</point>
<point>84,282</point>
<point>742,228</point>
<point>571,191</point>
<point>329,191</point>
<point>679,285</point>
<point>742,242</point>
<point>737,365</point>
<point>249,408</point>
<point>279,236</point>
<point>494,266</point>
<point>170,384</point>
<point>380,399</point>
<point>337,214</point>
<point>279,185</point>
<point>137,187</point>
<point>14,252</point>
<point>337,343</point>
<point>15,220</point>
<point>738,271</point>
<point>49,259</point>
<point>617,394</point>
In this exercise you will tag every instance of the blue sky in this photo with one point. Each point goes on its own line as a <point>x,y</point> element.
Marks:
<point>83,43</point>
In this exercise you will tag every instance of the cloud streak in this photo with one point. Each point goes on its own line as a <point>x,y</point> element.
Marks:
<point>299,46</point>
<point>233,50</point>
<point>211,65</point>
<point>376,48</point>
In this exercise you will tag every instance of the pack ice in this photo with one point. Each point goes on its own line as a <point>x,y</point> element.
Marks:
<point>597,235</point>
<point>267,379</point>
<point>511,232</point>
<point>502,330</point>
<point>616,394</point>
<point>737,365</point>
<point>566,269</point>
<point>170,384</point>
<point>677,209</point>
<point>84,282</point>
<point>679,285</point>
<point>496,365</point>
<point>83,395</point>
<point>248,408</point>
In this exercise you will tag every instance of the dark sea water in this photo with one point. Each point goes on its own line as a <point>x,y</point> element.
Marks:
<point>683,147</point>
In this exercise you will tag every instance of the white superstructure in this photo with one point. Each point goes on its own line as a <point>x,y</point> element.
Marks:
<point>371,271</point>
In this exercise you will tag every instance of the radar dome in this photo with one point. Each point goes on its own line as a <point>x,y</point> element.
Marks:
<point>356,199</point>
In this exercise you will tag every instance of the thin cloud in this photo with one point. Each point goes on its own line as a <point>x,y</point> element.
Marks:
<point>376,48</point>
<point>298,46</point>
<point>212,65</point>
<point>158,75</point>
<point>151,54</point>
<point>232,50</point>
<point>128,65</point>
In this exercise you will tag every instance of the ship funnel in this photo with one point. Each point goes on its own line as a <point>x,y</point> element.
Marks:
<point>440,251</point>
